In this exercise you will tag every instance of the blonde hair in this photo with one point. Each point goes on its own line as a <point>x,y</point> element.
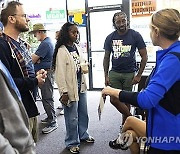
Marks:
<point>168,23</point>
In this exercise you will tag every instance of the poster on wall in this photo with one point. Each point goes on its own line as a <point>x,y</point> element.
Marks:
<point>141,13</point>
<point>78,16</point>
<point>55,14</point>
<point>142,8</point>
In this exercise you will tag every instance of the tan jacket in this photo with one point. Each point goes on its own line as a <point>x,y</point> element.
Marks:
<point>65,74</point>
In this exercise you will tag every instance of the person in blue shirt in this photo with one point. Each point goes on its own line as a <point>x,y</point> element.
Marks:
<point>162,93</point>
<point>42,59</point>
<point>122,44</point>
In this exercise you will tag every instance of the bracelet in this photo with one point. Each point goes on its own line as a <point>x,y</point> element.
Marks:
<point>65,93</point>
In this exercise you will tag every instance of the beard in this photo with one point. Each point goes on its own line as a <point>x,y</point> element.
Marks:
<point>122,29</point>
<point>21,27</point>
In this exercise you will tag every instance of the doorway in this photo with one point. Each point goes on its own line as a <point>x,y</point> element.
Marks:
<point>99,25</point>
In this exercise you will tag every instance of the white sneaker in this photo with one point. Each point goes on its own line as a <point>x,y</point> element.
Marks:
<point>119,139</point>
<point>49,128</point>
<point>74,149</point>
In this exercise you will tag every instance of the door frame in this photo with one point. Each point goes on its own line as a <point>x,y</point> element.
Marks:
<point>88,10</point>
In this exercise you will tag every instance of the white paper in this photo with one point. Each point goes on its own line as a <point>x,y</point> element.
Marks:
<point>101,106</point>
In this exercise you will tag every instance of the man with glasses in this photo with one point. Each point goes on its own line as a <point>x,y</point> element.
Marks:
<point>17,60</point>
<point>42,59</point>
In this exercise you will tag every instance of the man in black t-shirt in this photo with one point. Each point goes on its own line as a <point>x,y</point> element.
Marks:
<point>122,43</point>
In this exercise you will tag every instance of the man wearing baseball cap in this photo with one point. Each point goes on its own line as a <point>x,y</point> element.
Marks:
<point>42,58</point>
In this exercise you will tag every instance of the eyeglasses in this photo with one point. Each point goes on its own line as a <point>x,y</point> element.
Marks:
<point>21,15</point>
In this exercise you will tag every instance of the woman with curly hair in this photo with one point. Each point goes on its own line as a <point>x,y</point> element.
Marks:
<point>71,83</point>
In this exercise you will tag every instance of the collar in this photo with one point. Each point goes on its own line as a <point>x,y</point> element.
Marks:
<point>163,52</point>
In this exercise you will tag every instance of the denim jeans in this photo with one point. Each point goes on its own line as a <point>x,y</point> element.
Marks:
<point>76,121</point>
<point>47,97</point>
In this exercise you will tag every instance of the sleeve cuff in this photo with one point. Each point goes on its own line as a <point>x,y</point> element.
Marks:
<point>129,97</point>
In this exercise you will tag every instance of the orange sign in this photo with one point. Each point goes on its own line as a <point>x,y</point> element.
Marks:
<point>142,8</point>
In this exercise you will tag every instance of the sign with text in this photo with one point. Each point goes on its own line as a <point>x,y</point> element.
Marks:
<point>34,16</point>
<point>55,14</point>
<point>141,8</point>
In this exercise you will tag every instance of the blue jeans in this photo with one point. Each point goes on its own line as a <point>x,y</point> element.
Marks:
<point>76,121</point>
<point>47,97</point>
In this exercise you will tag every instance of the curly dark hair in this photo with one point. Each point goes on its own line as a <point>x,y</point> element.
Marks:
<point>118,14</point>
<point>63,39</point>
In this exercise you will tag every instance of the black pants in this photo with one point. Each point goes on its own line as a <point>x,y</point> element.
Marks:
<point>159,151</point>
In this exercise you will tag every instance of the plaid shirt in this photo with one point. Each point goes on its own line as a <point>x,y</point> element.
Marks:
<point>17,55</point>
